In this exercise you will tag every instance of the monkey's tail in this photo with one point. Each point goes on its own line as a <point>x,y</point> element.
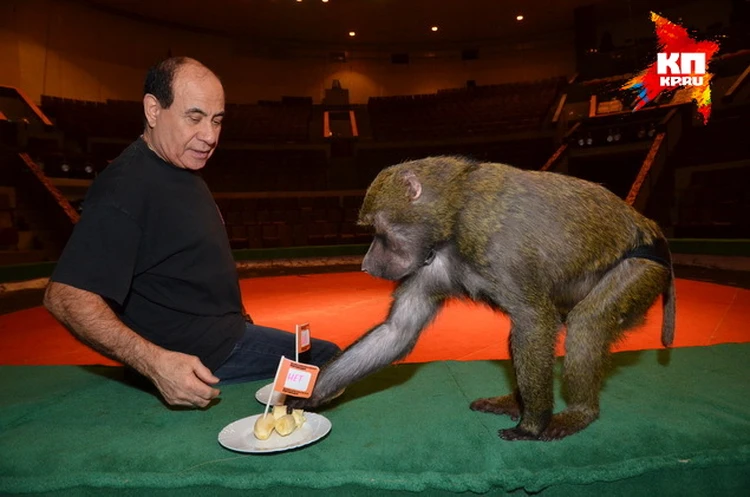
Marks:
<point>668,306</point>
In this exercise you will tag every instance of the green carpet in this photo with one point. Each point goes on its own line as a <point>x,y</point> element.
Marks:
<point>681,428</point>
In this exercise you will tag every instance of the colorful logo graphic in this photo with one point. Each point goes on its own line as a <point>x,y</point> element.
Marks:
<point>681,62</point>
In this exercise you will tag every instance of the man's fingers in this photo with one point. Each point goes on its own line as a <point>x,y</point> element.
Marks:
<point>179,402</point>
<point>207,378</point>
<point>186,381</point>
<point>205,397</point>
<point>209,394</point>
<point>197,400</point>
<point>205,392</point>
<point>204,374</point>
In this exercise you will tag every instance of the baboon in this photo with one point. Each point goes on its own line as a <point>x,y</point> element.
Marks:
<point>546,249</point>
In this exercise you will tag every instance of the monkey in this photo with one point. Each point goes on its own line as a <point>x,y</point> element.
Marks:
<point>548,250</point>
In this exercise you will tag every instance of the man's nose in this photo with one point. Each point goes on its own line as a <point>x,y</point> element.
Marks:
<point>209,133</point>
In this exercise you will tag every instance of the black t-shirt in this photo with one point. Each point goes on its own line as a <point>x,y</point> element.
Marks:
<point>152,242</point>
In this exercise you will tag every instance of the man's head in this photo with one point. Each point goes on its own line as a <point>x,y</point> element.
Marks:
<point>183,103</point>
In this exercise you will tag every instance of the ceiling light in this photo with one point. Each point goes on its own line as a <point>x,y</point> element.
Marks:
<point>519,18</point>
<point>352,33</point>
<point>325,1</point>
<point>434,28</point>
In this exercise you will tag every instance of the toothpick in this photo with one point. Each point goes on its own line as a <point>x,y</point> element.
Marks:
<point>270,394</point>
<point>296,344</point>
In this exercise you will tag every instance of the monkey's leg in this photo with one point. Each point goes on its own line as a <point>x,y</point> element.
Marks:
<point>532,342</point>
<point>619,301</point>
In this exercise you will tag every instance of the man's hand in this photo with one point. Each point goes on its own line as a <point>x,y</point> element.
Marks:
<point>247,316</point>
<point>183,380</point>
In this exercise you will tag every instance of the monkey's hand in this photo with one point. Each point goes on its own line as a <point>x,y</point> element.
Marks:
<point>315,400</point>
<point>300,403</point>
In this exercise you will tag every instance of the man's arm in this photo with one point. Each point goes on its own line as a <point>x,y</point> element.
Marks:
<point>182,379</point>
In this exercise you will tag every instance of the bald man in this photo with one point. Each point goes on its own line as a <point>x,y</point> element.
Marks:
<point>148,277</point>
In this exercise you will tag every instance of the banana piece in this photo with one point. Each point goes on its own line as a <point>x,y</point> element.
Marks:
<point>279,411</point>
<point>285,425</point>
<point>299,417</point>
<point>264,426</point>
<point>278,420</point>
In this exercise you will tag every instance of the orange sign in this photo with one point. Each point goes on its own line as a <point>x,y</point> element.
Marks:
<point>303,337</point>
<point>295,378</point>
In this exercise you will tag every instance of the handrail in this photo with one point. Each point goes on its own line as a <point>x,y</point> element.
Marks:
<point>561,149</point>
<point>31,105</point>
<point>646,166</point>
<point>63,202</point>
<point>553,159</point>
<point>652,165</point>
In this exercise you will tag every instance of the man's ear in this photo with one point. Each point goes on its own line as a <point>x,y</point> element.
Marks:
<point>151,108</point>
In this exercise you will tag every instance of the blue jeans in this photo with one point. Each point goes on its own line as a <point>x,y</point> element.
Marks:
<point>257,353</point>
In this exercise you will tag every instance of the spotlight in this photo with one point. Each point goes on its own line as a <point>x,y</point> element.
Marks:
<point>610,137</point>
<point>65,167</point>
<point>89,169</point>
<point>434,28</point>
<point>352,33</point>
<point>589,140</point>
<point>651,131</point>
<point>519,18</point>
<point>641,133</point>
<point>581,142</point>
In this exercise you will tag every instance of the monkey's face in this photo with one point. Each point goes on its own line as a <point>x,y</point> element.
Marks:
<point>406,218</point>
<point>396,250</point>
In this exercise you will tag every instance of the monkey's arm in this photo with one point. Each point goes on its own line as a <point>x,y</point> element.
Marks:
<point>411,311</point>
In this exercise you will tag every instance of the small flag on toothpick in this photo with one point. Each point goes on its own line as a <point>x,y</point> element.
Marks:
<point>302,339</point>
<point>295,378</point>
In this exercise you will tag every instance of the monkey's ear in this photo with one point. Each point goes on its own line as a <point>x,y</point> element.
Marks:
<point>413,186</point>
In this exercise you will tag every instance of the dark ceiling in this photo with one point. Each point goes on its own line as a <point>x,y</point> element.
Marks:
<point>376,22</point>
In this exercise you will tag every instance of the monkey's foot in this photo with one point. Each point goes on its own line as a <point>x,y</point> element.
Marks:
<point>567,423</point>
<point>506,404</point>
<point>513,434</point>
<point>560,426</point>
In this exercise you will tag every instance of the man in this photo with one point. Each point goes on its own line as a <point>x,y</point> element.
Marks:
<point>147,277</point>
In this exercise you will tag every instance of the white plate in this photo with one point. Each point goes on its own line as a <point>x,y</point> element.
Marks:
<point>277,398</point>
<point>239,435</point>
